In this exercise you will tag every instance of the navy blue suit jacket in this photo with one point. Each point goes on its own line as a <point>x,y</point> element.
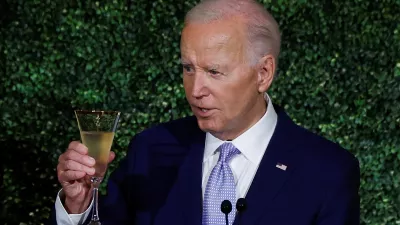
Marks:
<point>160,180</point>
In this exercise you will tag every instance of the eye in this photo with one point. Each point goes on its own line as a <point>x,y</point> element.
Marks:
<point>213,72</point>
<point>187,68</point>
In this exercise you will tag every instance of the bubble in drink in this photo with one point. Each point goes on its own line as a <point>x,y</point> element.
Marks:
<point>99,145</point>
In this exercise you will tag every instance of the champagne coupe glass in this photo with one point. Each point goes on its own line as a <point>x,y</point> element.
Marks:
<point>97,130</point>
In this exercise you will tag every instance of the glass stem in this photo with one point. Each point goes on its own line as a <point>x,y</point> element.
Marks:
<point>95,214</point>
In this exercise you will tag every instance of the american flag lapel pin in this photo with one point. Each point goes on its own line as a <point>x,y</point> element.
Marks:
<point>281,166</point>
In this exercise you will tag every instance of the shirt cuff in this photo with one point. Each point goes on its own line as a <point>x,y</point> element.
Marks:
<point>62,216</point>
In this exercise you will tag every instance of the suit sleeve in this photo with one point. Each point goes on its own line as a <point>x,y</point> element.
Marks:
<point>116,206</point>
<point>342,204</point>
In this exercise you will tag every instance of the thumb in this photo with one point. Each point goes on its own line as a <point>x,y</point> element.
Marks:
<point>111,157</point>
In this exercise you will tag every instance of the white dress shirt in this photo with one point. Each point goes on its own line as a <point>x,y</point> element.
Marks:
<point>252,145</point>
<point>62,216</point>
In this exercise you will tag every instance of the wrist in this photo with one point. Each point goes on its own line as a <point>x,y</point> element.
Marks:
<point>73,207</point>
<point>76,205</point>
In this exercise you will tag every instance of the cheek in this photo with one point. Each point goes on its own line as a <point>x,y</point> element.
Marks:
<point>236,102</point>
<point>187,86</point>
<point>229,102</point>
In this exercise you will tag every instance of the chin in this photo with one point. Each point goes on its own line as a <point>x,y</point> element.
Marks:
<point>208,125</point>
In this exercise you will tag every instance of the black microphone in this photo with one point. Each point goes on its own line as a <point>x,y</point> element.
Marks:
<point>226,208</point>
<point>241,206</point>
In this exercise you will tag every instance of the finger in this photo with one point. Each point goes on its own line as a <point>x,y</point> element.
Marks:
<point>111,157</point>
<point>61,173</point>
<point>70,175</point>
<point>77,157</point>
<point>73,165</point>
<point>79,147</point>
<point>88,179</point>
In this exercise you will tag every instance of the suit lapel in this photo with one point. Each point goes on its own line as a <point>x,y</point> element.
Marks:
<point>266,184</point>
<point>269,178</point>
<point>190,183</point>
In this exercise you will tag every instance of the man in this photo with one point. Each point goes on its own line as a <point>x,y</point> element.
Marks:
<point>237,145</point>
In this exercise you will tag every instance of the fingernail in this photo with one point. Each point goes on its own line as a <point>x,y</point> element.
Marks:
<point>92,170</point>
<point>91,160</point>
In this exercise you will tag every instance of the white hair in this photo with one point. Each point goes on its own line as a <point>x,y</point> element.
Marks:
<point>263,36</point>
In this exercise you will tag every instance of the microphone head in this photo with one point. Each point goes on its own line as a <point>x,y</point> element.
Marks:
<point>226,206</point>
<point>241,205</point>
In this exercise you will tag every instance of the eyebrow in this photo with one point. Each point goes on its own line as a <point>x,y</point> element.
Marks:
<point>183,62</point>
<point>209,66</point>
<point>213,66</point>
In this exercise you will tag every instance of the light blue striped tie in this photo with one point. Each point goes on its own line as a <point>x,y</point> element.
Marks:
<point>220,187</point>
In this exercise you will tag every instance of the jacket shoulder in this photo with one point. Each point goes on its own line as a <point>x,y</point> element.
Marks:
<point>314,152</point>
<point>323,158</point>
<point>180,131</point>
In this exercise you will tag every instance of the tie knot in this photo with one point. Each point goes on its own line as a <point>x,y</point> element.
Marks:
<point>227,151</point>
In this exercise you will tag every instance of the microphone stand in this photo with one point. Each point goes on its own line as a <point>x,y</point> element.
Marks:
<point>226,208</point>
<point>241,206</point>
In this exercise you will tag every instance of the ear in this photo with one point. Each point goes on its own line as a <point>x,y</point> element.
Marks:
<point>266,71</point>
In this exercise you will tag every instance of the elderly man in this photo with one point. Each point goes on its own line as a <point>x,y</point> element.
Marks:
<point>237,145</point>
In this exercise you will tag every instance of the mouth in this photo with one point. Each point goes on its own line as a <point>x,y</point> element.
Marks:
<point>202,112</point>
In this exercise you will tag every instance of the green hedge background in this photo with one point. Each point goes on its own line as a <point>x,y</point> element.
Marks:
<point>339,75</point>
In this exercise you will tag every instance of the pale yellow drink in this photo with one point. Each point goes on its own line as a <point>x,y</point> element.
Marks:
<point>99,145</point>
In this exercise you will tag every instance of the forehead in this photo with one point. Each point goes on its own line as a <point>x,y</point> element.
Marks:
<point>217,38</point>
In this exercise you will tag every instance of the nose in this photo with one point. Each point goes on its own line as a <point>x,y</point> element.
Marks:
<point>199,86</point>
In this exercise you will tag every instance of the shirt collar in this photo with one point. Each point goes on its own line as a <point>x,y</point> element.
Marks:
<point>248,142</point>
